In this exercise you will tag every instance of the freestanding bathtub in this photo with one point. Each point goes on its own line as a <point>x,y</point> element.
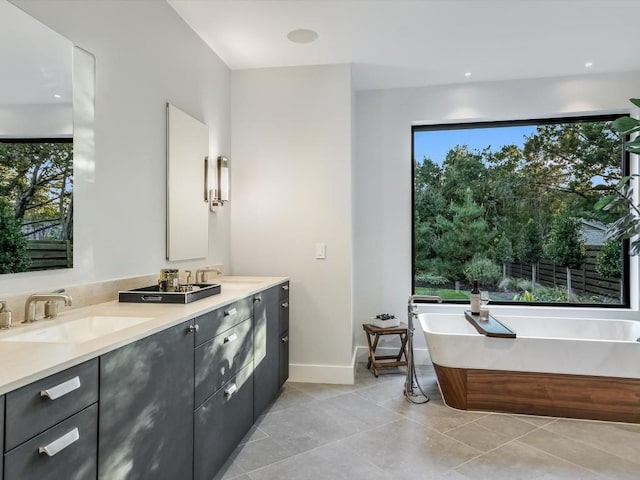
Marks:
<point>565,367</point>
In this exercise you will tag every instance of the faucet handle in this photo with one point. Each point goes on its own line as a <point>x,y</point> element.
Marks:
<point>51,309</point>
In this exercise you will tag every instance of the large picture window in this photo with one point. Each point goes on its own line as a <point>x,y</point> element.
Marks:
<point>512,204</point>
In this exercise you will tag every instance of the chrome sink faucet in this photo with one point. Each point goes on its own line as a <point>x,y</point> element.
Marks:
<point>202,272</point>
<point>50,307</point>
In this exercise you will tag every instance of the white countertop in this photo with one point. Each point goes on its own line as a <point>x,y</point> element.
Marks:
<point>25,362</point>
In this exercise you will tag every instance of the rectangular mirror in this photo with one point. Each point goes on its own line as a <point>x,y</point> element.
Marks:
<point>187,186</point>
<point>36,145</point>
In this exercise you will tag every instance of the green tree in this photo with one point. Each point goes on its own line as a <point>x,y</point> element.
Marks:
<point>461,236</point>
<point>13,246</point>
<point>481,268</point>
<point>504,252</point>
<point>530,247</point>
<point>609,259</point>
<point>564,246</point>
<point>464,172</point>
<point>569,156</point>
<point>429,203</point>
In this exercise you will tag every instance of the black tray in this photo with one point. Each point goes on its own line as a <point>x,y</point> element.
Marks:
<point>489,326</point>
<point>153,294</point>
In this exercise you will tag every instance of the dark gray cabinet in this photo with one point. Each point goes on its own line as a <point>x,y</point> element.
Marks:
<point>221,422</point>
<point>223,384</point>
<point>35,407</point>
<point>219,320</point>
<point>146,408</point>
<point>283,320</point>
<point>65,451</point>
<point>219,359</point>
<point>51,425</point>
<point>266,335</point>
<point>173,405</point>
<point>1,435</point>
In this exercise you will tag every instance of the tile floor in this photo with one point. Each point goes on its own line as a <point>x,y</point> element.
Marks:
<point>368,431</point>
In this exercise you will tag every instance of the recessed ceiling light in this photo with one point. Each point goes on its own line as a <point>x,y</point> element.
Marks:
<point>467,74</point>
<point>302,35</point>
<point>588,64</point>
<point>57,95</point>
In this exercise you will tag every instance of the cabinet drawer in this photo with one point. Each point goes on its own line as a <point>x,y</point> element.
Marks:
<point>213,323</point>
<point>34,408</point>
<point>221,422</point>
<point>284,290</point>
<point>284,315</point>
<point>283,368</point>
<point>72,451</point>
<point>219,359</point>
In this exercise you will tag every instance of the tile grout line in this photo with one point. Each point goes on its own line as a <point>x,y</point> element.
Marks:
<point>580,442</point>
<point>562,459</point>
<point>492,449</point>
<point>314,448</point>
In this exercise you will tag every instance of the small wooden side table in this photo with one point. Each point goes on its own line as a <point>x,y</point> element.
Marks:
<point>384,361</point>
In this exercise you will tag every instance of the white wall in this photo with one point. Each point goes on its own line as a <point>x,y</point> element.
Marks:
<point>291,180</point>
<point>145,56</point>
<point>382,166</point>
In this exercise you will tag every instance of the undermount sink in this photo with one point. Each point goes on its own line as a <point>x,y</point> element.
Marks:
<point>76,331</point>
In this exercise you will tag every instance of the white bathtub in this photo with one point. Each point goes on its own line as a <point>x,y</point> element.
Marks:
<point>565,360</point>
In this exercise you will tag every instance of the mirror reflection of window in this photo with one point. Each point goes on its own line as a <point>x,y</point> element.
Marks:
<point>36,145</point>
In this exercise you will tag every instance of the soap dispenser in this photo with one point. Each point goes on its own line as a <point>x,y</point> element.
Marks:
<point>5,315</point>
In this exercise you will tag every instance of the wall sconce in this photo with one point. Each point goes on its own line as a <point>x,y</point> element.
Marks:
<point>221,193</point>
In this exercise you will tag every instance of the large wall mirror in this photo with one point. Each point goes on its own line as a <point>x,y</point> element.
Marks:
<point>187,186</point>
<point>36,145</point>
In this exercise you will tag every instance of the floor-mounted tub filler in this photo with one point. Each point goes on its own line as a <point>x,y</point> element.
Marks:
<point>412,389</point>
<point>561,367</point>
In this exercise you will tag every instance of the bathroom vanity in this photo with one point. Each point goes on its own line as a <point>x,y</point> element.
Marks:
<point>168,398</point>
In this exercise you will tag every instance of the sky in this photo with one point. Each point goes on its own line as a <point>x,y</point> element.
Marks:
<point>435,144</point>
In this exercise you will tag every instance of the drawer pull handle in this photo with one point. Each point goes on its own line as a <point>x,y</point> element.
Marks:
<point>231,390</point>
<point>194,328</point>
<point>230,312</point>
<point>257,299</point>
<point>151,298</point>
<point>285,288</point>
<point>285,339</point>
<point>230,338</point>
<point>60,444</point>
<point>62,389</point>
<point>285,304</point>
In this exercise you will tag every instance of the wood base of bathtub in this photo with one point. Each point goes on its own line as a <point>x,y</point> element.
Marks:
<point>547,394</point>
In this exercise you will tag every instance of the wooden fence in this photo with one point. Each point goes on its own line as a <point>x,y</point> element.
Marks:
<point>584,281</point>
<point>50,254</point>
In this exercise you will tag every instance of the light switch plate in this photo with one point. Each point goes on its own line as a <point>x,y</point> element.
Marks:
<point>321,251</point>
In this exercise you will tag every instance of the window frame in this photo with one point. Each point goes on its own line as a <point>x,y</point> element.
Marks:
<point>625,160</point>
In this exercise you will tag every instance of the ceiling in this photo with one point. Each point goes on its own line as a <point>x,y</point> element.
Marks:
<point>402,43</point>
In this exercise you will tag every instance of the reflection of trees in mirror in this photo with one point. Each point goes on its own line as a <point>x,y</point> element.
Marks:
<point>36,181</point>
<point>494,202</point>
<point>13,245</point>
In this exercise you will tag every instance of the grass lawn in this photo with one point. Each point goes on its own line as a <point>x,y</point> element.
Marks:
<point>444,293</point>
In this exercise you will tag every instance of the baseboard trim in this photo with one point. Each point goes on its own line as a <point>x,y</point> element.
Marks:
<point>335,374</point>
<point>344,374</point>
